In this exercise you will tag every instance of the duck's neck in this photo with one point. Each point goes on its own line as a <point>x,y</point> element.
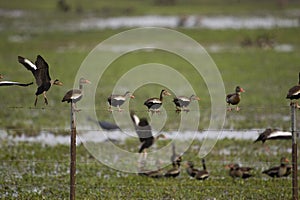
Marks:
<point>282,165</point>
<point>80,86</point>
<point>203,164</point>
<point>161,96</point>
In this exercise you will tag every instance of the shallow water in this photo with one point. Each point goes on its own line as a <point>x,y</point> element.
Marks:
<point>209,22</point>
<point>97,136</point>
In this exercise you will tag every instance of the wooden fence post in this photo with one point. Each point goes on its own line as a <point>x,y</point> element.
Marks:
<point>73,154</point>
<point>294,152</point>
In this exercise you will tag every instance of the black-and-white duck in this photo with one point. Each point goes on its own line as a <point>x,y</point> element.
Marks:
<point>234,98</point>
<point>116,100</point>
<point>294,93</point>
<point>40,71</point>
<point>182,102</point>
<point>153,104</point>
<point>75,95</point>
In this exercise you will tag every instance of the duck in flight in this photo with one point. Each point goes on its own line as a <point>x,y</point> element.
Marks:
<point>40,71</point>
<point>10,83</point>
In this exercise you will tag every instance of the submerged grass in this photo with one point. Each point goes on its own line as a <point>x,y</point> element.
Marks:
<point>34,171</point>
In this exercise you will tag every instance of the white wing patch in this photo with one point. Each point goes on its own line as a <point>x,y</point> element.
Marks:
<point>280,133</point>
<point>183,99</point>
<point>9,82</point>
<point>119,98</point>
<point>296,93</point>
<point>136,119</point>
<point>30,64</point>
<point>76,96</point>
<point>155,101</point>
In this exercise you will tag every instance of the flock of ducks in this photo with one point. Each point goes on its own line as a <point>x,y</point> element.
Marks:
<point>143,130</point>
<point>40,71</point>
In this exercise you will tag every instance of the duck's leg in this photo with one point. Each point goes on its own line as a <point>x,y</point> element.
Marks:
<point>120,109</point>
<point>110,108</point>
<point>229,108</point>
<point>186,109</point>
<point>297,105</point>
<point>237,108</point>
<point>45,98</point>
<point>36,99</point>
<point>75,107</point>
<point>178,109</point>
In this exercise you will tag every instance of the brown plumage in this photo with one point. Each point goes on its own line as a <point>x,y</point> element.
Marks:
<point>117,100</point>
<point>294,92</point>
<point>202,174</point>
<point>279,171</point>
<point>75,95</point>
<point>40,71</point>
<point>196,173</point>
<point>234,98</point>
<point>182,102</point>
<point>153,104</point>
<point>151,173</point>
<point>190,170</point>
<point>235,171</point>
<point>175,157</point>
<point>175,171</point>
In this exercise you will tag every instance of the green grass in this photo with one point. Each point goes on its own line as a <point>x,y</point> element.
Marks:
<point>136,7</point>
<point>35,171</point>
<point>265,74</point>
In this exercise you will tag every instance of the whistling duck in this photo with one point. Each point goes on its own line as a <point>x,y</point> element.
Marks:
<point>9,83</point>
<point>273,134</point>
<point>105,125</point>
<point>75,95</point>
<point>279,171</point>
<point>144,132</point>
<point>202,174</point>
<point>152,173</point>
<point>153,104</point>
<point>294,92</point>
<point>40,71</point>
<point>235,171</point>
<point>175,156</point>
<point>234,98</point>
<point>175,171</point>
<point>118,100</point>
<point>196,173</point>
<point>191,171</point>
<point>182,102</point>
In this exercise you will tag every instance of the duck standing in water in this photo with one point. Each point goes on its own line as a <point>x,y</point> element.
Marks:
<point>234,98</point>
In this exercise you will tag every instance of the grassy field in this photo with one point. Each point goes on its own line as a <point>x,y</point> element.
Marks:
<point>34,171</point>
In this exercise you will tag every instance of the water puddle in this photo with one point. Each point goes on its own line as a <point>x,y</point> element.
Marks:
<point>209,22</point>
<point>47,138</point>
